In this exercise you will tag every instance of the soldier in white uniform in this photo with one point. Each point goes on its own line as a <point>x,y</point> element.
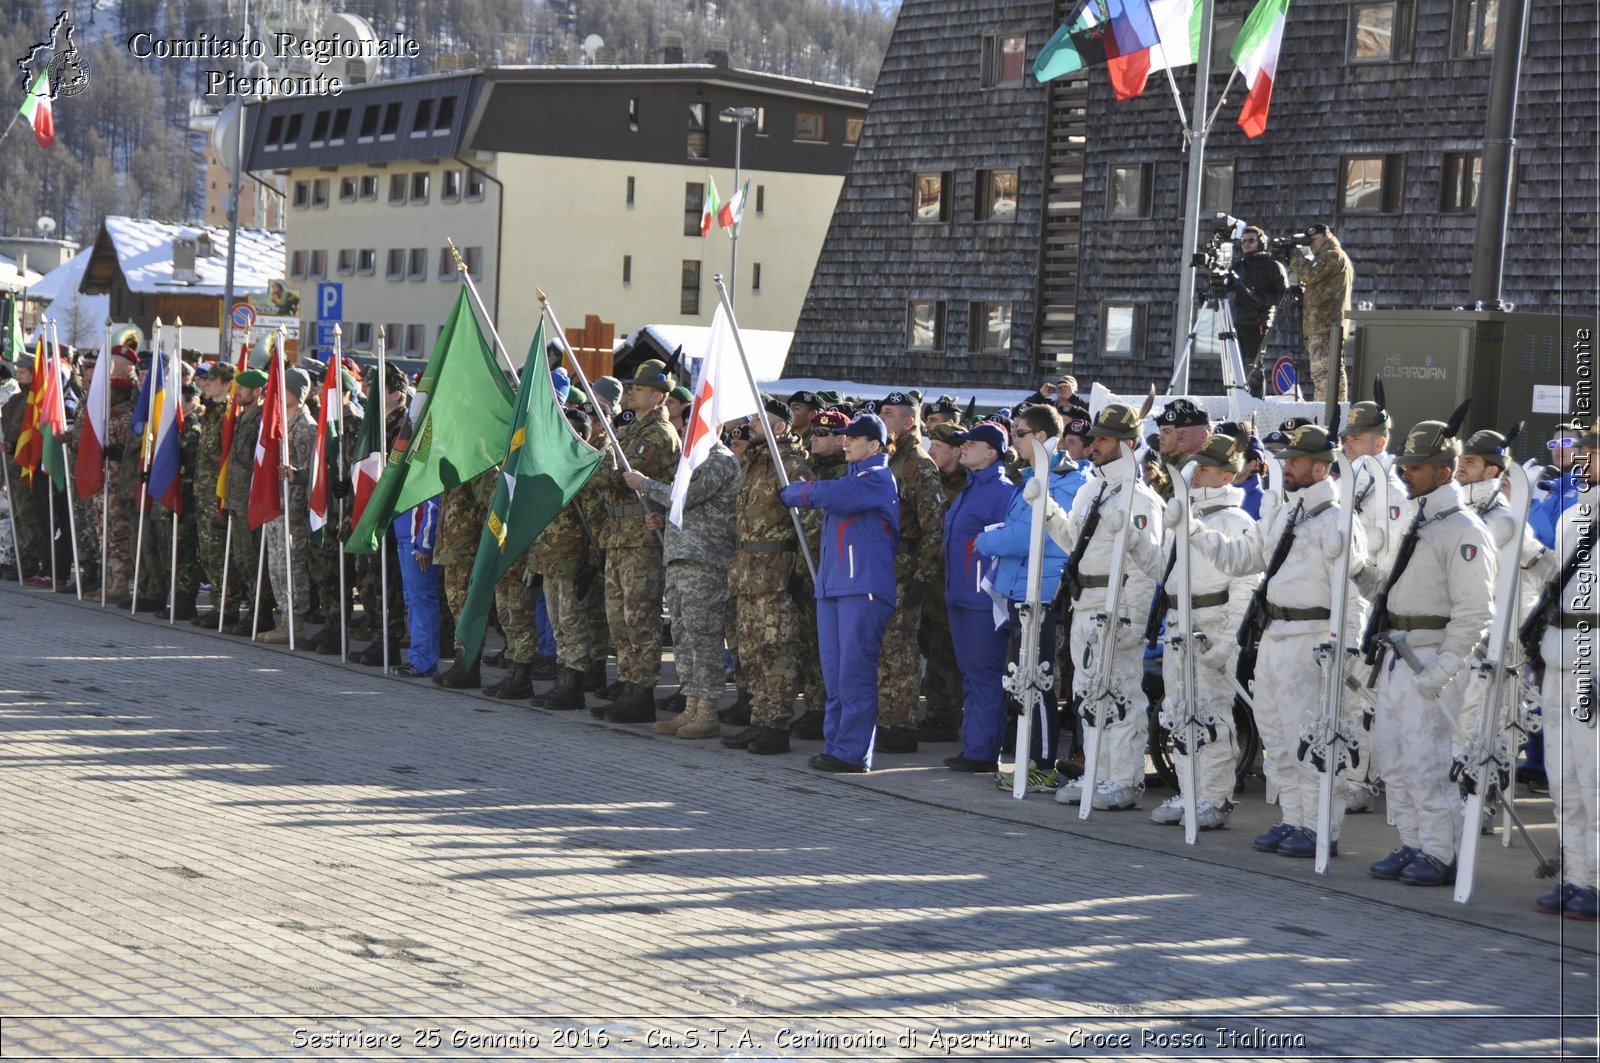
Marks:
<point>1298,606</point>
<point>1218,603</point>
<point>1440,602</point>
<point>1114,436</point>
<point>1480,472</point>
<point>1568,696</point>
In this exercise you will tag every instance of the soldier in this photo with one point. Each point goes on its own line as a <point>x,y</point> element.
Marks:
<point>461,516</point>
<point>1113,437</point>
<point>1298,608</point>
<point>919,564</point>
<point>211,523</point>
<point>326,551</point>
<point>803,408</point>
<point>1183,429</point>
<point>765,564</point>
<point>942,410</point>
<point>1439,606</point>
<point>1381,509</point>
<point>941,679</point>
<point>122,457</point>
<point>1568,694</point>
<point>286,550</point>
<point>698,556</point>
<point>1217,604</point>
<point>394,393</point>
<point>827,463</point>
<point>855,589</point>
<point>87,510</point>
<point>244,550</point>
<point>190,572</point>
<point>634,568</point>
<point>1480,471</point>
<point>1326,277</point>
<point>26,511</point>
<point>679,401</point>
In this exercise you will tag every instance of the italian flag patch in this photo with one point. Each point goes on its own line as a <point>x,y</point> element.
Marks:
<point>1468,553</point>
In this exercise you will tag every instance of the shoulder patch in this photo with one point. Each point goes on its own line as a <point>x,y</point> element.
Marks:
<point>1394,512</point>
<point>1140,521</point>
<point>1468,553</point>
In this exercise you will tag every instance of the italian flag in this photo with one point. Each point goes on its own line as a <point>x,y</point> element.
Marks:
<point>323,463</point>
<point>1178,27</point>
<point>732,211</point>
<point>368,466</point>
<point>710,206</point>
<point>36,109</point>
<point>1255,53</point>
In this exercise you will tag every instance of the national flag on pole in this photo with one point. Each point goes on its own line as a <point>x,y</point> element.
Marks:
<point>15,345</point>
<point>722,394</point>
<point>266,493</point>
<point>456,430</point>
<point>90,470</point>
<point>36,110</point>
<point>30,445</point>
<point>1097,31</point>
<point>368,465</point>
<point>1178,29</point>
<point>317,493</point>
<point>1255,53</point>
<point>166,485</point>
<point>709,206</point>
<point>53,423</point>
<point>546,465</point>
<point>230,418</point>
<point>732,211</point>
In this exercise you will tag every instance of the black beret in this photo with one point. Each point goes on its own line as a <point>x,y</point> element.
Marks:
<point>778,408</point>
<point>807,398</point>
<point>1181,413</point>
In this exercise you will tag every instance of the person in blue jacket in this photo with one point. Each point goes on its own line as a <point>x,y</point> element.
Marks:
<point>1561,492</point>
<point>979,642</point>
<point>1008,545</point>
<point>855,588</point>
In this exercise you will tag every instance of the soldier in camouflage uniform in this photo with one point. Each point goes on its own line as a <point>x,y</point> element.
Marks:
<point>394,393</point>
<point>941,682</point>
<point>86,511</point>
<point>286,561</point>
<point>211,524</point>
<point>327,545</point>
<point>26,513</point>
<point>122,456</point>
<point>827,463</point>
<point>765,563</point>
<point>918,565</point>
<point>461,516</point>
<point>697,558</point>
<point>634,572</point>
<point>1326,278</point>
<point>244,552</point>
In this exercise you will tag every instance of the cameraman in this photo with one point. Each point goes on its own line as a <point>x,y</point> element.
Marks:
<point>1326,277</point>
<point>1257,285</point>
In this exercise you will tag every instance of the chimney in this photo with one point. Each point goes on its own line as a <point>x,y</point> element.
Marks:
<point>184,247</point>
<point>717,50</point>
<point>672,47</point>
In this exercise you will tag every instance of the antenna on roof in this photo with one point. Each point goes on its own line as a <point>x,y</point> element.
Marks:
<point>591,45</point>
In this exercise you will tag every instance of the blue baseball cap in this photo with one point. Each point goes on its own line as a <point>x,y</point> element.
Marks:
<point>869,426</point>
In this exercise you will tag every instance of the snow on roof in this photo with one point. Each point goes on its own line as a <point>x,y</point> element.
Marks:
<point>144,251</point>
<point>63,280</point>
<point>12,277</point>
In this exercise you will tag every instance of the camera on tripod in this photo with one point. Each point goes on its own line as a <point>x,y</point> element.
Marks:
<point>1283,246</point>
<point>1215,257</point>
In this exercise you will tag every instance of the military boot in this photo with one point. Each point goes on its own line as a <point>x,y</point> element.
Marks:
<point>566,695</point>
<point>595,676</point>
<point>809,725</point>
<point>674,702</point>
<point>185,608</point>
<point>702,721</point>
<point>515,686</point>
<point>638,705</point>
<point>543,668</point>
<point>670,727</point>
<point>738,713</point>
<point>460,678</point>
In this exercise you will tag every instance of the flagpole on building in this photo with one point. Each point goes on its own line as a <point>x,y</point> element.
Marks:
<point>499,347</point>
<point>766,427</point>
<point>283,481</point>
<point>144,469</point>
<point>105,462</point>
<point>383,540</point>
<point>338,526</point>
<point>1184,316</point>
<point>66,474</point>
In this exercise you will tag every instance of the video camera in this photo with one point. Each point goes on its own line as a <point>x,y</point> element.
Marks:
<point>1215,257</point>
<point>1283,246</point>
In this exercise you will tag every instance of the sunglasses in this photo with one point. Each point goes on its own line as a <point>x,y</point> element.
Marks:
<point>1564,441</point>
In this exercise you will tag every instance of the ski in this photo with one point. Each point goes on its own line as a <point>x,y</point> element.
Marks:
<point>1104,703</point>
<point>1486,764</point>
<point>1029,677</point>
<point>1323,742</point>
<point>1181,642</point>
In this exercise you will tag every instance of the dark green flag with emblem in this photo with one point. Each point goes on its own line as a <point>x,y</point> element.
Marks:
<point>455,431</point>
<point>546,465</point>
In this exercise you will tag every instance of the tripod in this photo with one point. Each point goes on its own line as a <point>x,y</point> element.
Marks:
<point>1233,375</point>
<point>1258,368</point>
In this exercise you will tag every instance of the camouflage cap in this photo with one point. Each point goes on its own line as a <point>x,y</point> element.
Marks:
<point>945,433</point>
<point>653,374</point>
<point>221,372</point>
<point>1221,452</point>
<point>1428,443</point>
<point>1117,421</point>
<point>1309,441</point>
<point>1366,416</point>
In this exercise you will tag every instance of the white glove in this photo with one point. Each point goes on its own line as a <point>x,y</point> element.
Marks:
<point>1431,681</point>
<point>1032,490</point>
<point>1332,544</point>
<point>1112,518</point>
<point>1173,514</point>
<point>1129,636</point>
<point>1214,653</point>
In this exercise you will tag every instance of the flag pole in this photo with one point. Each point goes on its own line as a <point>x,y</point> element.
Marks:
<point>255,607</point>
<point>66,474</point>
<point>383,540</point>
<point>11,507</point>
<point>283,481</point>
<point>49,490</point>
<point>1184,311</point>
<point>338,525</point>
<point>105,462</point>
<point>499,346</point>
<point>766,427</point>
<point>175,375</point>
<point>144,471</point>
<point>227,548</point>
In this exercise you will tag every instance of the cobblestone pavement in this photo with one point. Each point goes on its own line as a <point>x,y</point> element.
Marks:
<point>219,850</point>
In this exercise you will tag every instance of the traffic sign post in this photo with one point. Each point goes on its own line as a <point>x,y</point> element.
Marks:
<point>244,316</point>
<point>330,301</point>
<point>1285,377</point>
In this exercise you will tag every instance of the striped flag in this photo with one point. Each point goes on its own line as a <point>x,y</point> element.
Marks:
<point>710,205</point>
<point>230,418</point>
<point>166,415</point>
<point>53,423</point>
<point>1178,26</point>
<point>37,111</point>
<point>722,394</point>
<point>266,496</point>
<point>1255,53</point>
<point>317,493</point>
<point>91,466</point>
<point>30,445</point>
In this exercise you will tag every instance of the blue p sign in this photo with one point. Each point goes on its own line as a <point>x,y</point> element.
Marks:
<point>330,301</point>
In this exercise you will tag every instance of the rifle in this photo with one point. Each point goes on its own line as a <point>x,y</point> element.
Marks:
<point>1254,624</point>
<point>1548,608</point>
<point>1378,621</point>
<point>1071,583</point>
<point>1158,604</point>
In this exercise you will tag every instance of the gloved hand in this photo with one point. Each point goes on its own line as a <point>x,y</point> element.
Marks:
<point>1113,517</point>
<point>339,488</point>
<point>1214,653</point>
<point>1431,681</point>
<point>1332,544</point>
<point>1173,515</point>
<point>1369,581</point>
<point>1130,638</point>
<point>1031,490</point>
<point>114,451</point>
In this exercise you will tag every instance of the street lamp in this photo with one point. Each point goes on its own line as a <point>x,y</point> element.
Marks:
<point>739,117</point>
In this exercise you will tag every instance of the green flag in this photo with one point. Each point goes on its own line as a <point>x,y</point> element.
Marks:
<point>13,331</point>
<point>546,465</point>
<point>456,430</point>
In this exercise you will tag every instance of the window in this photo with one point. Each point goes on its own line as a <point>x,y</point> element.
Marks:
<point>414,335</point>
<point>689,297</point>
<point>369,123</point>
<point>997,195</point>
<point>447,267</point>
<point>1458,183</point>
<point>369,186</point>
<point>444,116</point>
<point>419,187</point>
<point>693,205</point>
<point>852,131</point>
<point>633,113</point>
<point>930,197</point>
<point>811,126</point>
<point>450,186</point>
<point>347,189</point>
<point>319,192</point>
<point>363,334</point>
<point>475,184</point>
<point>291,135</point>
<point>627,270</point>
<point>1371,184</point>
<point>473,257</point>
<point>1380,33</point>
<point>319,264</point>
<point>630,192</point>
<point>1216,188</point>
<point>394,337</point>
<point>925,325</point>
<point>366,261</point>
<point>761,122</point>
<point>1224,33</point>
<point>699,145</point>
<point>397,188</point>
<point>417,264</point>
<point>396,268</point>
<point>755,277</point>
<point>319,128</point>
<point>347,261</point>
<point>989,327</point>
<point>1123,329</point>
<point>302,194</point>
<point>274,132</point>
<point>422,121</point>
<point>341,126</point>
<point>297,264</point>
<point>391,121</point>
<point>761,200</point>
<point>1473,30</point>
<point>1130,189</point>
<point>1002,59</point>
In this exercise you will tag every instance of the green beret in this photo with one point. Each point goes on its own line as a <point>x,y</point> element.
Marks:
<point>682,394</point>
<point>251,378</point>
